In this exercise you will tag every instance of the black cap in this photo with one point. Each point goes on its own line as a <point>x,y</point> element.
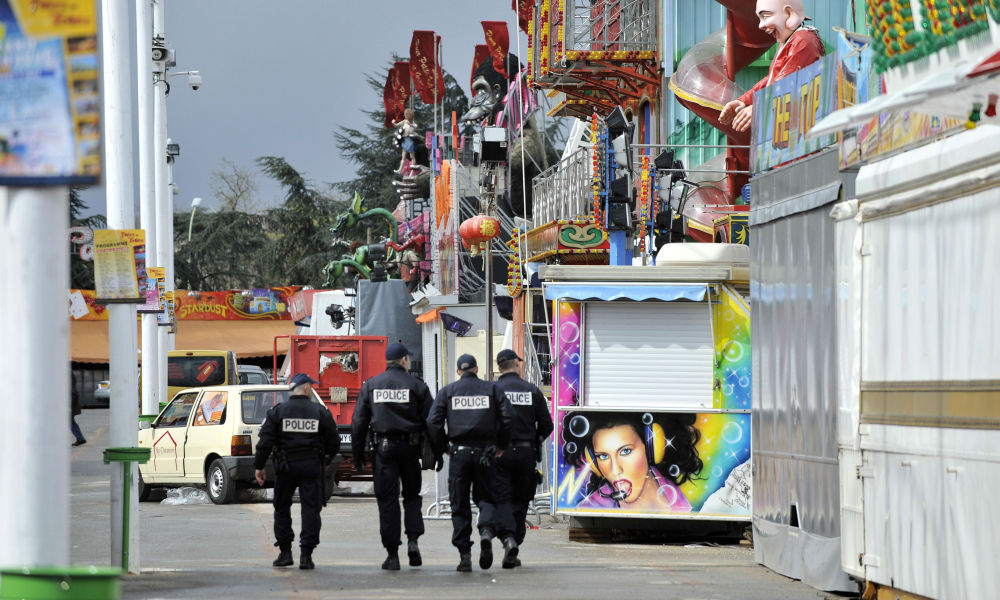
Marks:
<point>507,355</point>
<point>466,362</point>
<point>396,351</point>
<point>300,378</point>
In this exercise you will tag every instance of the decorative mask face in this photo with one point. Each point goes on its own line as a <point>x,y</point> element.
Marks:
<point>780,18</point>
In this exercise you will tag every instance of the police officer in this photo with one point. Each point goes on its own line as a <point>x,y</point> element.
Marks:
<point>396,404</point>
<point>531,424</point>
<point>303,436</point>
<point>478,423</point>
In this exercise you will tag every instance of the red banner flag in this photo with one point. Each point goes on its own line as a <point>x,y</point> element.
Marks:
<point>482,53</point>
<point>401,87</point>
<point>424,69</point>
<point>498,43</point>
<point>523,8</point>
<point>389,97</point>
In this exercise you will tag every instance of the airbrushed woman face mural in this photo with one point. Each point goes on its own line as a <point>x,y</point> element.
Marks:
<point>637,461</point>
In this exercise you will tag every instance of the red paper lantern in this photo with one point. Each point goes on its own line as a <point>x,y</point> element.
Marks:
<point>477,232</point>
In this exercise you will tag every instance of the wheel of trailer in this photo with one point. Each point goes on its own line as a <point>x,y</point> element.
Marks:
<point>221,487</point>
<point>144,489</point>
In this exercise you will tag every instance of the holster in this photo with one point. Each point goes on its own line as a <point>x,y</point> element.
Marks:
<point>280,461</point>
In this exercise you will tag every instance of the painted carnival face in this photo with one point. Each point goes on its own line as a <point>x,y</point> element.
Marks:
<point>621,457</point>
<point>780,18</point>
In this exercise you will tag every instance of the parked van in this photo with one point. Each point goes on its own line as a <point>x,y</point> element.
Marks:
<point>200,368</point>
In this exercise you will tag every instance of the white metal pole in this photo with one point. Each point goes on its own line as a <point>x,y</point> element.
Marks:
<point>147,195</point>
<point>115,28</point>
<point>35,476</point>
<point>164,217</point>
<point>168,241</point>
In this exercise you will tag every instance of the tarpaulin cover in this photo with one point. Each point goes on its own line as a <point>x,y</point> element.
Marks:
<point>383,308</point>
<point>618,291</point>
<point>796,491</point>
<point>89,339</point>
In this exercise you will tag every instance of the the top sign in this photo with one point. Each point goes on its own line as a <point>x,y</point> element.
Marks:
<point>50,103</point>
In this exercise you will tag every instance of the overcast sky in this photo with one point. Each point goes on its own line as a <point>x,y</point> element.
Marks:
<point>279,77</point>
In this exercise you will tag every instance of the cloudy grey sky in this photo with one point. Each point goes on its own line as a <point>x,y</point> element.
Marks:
<point>279,77</point>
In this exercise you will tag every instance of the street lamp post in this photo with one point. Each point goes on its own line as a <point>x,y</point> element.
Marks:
<point>194,206</point>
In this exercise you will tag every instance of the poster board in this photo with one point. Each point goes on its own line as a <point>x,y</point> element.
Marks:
<point>50,117</point>
<point>119,257</point>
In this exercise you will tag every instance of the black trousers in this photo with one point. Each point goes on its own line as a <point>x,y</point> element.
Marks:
<point>516,470</point>
<point>465,474</point>
<point>395,462</point>
<point>307,476</point>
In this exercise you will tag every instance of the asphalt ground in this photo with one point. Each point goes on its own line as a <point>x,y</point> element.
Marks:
<point>225,552</point>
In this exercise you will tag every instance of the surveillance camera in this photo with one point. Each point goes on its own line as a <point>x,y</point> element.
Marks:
<point>194,80</point>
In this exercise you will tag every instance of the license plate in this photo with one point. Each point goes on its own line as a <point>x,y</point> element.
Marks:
<point>345,438</point>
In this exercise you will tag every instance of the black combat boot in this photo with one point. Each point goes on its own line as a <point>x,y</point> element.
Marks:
<point>391,562</point>
<point>306,559</point>
<point>413,551</point>
<point>284,557</point>
<point>486,551</point>
<point>510,554</point>
<point>465,562</point>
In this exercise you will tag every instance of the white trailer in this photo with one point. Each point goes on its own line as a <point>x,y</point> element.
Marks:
<point>918,258</point>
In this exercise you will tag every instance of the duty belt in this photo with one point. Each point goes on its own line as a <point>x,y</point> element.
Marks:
<point>466,447</point>
<point>523,444</point>
<point>413,438</point>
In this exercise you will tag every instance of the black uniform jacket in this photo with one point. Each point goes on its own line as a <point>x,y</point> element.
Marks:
<point>531,420</point>
<point>300,428</point>
<point>476,412</point>
<point>391,402</point>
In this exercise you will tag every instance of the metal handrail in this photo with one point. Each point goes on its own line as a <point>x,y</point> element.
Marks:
<point>565,190</point>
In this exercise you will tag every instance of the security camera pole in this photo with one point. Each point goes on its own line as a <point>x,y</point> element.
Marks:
<point>148,220</point>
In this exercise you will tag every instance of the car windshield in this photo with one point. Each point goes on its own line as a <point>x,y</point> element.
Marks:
<point>257,403</point>
<point>176,414</point>
<point>195,371</point>
<point>253,378</point>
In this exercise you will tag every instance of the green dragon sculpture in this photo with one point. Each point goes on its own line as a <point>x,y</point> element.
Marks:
<point>353,216</point>
<point>358,262</point>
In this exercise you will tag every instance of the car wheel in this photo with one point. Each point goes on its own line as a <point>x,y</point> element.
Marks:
<point>144,489</point>
<point>221,487</point>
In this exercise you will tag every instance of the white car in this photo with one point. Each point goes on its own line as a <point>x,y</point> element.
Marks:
<point>102,393</point>
<point>207,436</point>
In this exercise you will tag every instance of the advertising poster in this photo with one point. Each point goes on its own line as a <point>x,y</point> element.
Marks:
<point>137,239</point>
<point>171,313</point>
<point>115,274</point>
<point>163,316</point>
<point>653,462</point>
<point>153,276</point>
<point>787,109</point>
<point>50,129</point>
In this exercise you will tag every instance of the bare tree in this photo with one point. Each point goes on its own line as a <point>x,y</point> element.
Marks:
<point>235,188</point>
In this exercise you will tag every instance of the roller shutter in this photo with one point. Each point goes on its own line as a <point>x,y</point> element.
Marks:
<point>658,354</point>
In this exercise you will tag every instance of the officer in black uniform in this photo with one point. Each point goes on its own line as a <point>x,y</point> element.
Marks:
<point>396,404</point>
<point>531,424</point>
<point>303,436</point>
<point>478,420</point>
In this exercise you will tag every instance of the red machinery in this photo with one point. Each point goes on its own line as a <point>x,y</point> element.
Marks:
<point>340,364</point>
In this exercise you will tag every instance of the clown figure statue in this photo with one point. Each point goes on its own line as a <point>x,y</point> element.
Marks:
<point>798,46</point>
